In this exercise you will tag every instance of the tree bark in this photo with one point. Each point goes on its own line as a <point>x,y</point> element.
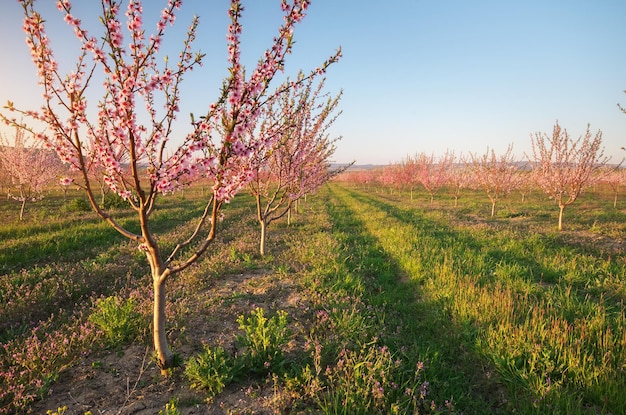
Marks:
<point>22,208</point>
<point>561,208</point>
<point>262,242</point>
<point>164,354</point>
<point>160,273</point>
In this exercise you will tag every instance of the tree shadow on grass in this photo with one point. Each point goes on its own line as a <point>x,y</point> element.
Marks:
<point>411,325</point>
<point>495,254</point>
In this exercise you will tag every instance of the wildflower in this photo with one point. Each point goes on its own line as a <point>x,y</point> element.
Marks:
<point>424,390</point>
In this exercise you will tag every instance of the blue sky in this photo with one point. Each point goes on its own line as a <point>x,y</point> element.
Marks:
<point>417,76</point>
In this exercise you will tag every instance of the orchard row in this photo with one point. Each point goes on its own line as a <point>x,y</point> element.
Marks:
<point>560,166</point>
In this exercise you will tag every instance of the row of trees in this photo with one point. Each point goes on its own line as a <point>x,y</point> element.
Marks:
<point>559,165</point>
<point>126,137</point>
<point>297,164</point>
<point>28,171</point>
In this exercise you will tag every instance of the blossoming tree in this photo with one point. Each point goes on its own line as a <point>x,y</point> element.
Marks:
<point>495,175</point>
<point>408,173</point>
<point>564,167</point>
<point>459,176</point>
<point>299,161</point>
<point>614,178</point>
<point>29,169</point>
<point>137,158</point>
<point>433,172</point>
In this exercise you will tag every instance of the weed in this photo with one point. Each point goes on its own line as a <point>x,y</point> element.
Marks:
<point>76,205</point>
<point>211,370</point>
<point>171,408</point>
<point>263,340</point>
<point>118,319</point>
<point>370,380</point>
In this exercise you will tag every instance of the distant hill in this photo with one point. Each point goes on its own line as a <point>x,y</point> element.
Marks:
<point>354,167</point>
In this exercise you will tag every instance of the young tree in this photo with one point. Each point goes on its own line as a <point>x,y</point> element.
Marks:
<point>497,176</point>
<point>65,183</point>
<point>615,179</point>
<point>408,173</point>
<point>459,176</point>
<point>299,161</point>
<point>29,169</point>
<point>138,159</point>
<point>563,167</point>
<point>525,182</point>
<point>392,177</point>
<point>433,172</point>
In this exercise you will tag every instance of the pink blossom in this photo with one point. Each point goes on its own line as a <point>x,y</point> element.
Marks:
<point>66,181</point>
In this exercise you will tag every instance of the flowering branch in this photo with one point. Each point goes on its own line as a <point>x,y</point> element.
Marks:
<point>124,150</point>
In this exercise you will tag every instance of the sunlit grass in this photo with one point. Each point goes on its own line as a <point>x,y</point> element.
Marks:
<point>547,316</point>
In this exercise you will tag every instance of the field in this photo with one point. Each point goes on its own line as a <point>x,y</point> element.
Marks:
<point>367,302</point>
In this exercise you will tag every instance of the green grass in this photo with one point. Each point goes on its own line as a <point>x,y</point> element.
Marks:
<point>405,306</point>
<point>547,317</point>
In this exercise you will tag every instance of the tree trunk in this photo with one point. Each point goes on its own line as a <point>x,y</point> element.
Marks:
<point>22,208</point>
<point>102,195</point>
<point>164,354</point>
<point>561,208</point>
<point>493,208</point>
<point>262,242</point>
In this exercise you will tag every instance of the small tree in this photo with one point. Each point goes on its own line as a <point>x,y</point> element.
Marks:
<point>136,157</point>
<point>298,162</point>
<point>65,183</point>
<point>459,177</point>
<point>30,170</point>
<point>408,173</point>
<point>497,176</point>
<point>433,172</point>
<point>615,179</point>
<point>391,176</point>
<point>563,167</point>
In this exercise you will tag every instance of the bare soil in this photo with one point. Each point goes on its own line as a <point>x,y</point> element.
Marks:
<point>128,381</point>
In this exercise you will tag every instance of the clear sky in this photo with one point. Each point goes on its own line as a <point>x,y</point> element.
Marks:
<point>417,75</point>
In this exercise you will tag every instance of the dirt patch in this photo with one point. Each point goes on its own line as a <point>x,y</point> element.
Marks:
<point>603,244</point>
<point>129,382</point>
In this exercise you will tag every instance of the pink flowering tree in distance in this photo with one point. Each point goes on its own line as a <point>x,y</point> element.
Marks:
<point>433,172</point>
<point>65,183</point>
<point>298,163</point>
<point>137,160</point>
<point>28,168</point>
<point>408,172</point>
<point>614,179</point>
<point>495,175</point>
<point>564,167</point>
<point>391,176</point>
<point>459,176</point>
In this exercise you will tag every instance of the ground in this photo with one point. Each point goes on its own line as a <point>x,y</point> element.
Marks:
<point>128,381</point>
